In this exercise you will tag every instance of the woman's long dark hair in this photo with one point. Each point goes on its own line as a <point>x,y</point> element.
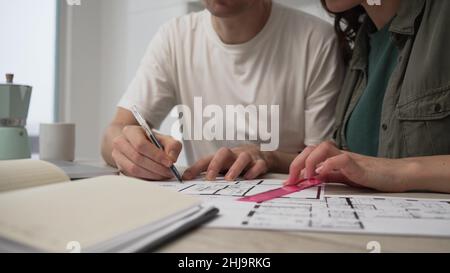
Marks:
<point>346,25</point>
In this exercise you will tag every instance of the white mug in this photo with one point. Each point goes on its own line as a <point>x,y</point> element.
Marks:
<point>57,141</point>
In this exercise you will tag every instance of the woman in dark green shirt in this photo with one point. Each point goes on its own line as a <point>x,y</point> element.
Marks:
<point>392,130</point>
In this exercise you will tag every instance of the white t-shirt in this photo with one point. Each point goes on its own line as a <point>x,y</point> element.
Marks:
<point>293,63</point>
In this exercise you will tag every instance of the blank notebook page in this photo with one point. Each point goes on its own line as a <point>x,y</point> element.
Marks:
<point>89,212</point>
<point>20,174</point>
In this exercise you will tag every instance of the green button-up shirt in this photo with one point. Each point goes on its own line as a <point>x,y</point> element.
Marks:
<point>415,119</point>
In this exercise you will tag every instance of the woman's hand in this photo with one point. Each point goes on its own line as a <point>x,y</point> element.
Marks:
<point>328,163</point>
<point>247,161</point>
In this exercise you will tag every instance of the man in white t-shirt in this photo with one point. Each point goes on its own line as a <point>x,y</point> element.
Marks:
<point>234,53</point>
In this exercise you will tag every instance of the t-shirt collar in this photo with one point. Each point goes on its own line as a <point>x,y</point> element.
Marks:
<point>242,48</point>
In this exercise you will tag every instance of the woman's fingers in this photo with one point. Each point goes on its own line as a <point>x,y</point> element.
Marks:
<point>346,165</point>
<point>298,165</point>
<point>361,171</point>
<point>319,155</point>
<point>243,161</point>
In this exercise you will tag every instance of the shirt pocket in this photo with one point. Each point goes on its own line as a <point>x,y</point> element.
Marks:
<point>425,124</point>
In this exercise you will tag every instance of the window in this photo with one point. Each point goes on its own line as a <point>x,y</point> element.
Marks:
<point>28,49</point>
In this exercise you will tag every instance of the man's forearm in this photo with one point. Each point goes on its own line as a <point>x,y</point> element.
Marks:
<point>113,131</point>
<point>426,173</point>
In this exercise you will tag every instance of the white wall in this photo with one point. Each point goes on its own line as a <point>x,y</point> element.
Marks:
<point>79,67</point>
<point>27,49</point>
<point>103,42</point>
<point>140,20</point>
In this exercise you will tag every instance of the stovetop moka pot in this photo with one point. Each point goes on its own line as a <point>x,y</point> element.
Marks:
<point>14,106</point>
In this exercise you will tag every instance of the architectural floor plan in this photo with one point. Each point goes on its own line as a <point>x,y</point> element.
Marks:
<point>313,210</point>
<point>237,189</point>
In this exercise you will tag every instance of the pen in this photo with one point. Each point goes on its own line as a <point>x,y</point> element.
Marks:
<point>153,138</point>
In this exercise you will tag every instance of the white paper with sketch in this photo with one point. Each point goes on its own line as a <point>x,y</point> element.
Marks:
<point>239,189</point>
<point>312,210</point>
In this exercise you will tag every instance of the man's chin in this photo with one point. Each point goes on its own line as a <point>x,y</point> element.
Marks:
<point>224,12</point>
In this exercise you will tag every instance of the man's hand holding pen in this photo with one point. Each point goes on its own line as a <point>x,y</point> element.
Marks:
<point>136,156</point>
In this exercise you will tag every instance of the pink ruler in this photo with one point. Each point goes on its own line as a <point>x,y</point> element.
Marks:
<point>280,192</point>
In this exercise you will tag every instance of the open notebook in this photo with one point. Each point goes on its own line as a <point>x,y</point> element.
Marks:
<point>41,211</point>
